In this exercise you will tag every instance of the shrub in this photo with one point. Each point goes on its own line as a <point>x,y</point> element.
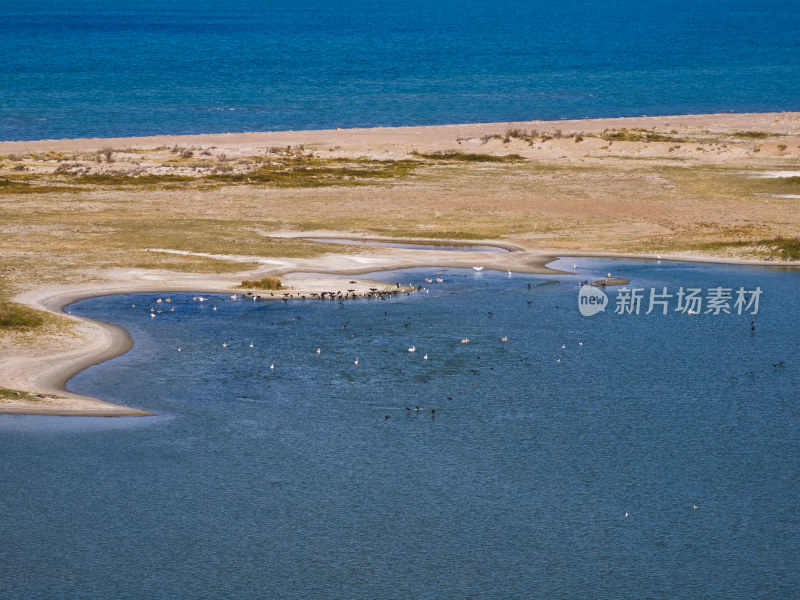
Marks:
<point>267,283</point>
<point>19,316</point>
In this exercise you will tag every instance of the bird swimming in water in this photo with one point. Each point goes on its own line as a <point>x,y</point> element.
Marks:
<point>319,350</point>
<point>412,349</point>
<point>504,338</point>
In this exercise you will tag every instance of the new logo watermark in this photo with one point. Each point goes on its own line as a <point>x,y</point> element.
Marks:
<point>591,300</point>
<point>685,300</point>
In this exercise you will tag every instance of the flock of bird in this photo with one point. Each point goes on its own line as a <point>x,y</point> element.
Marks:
<point>373,292</point>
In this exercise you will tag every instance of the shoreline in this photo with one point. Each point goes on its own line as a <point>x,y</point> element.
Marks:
<point>763,121</point>
<point>49,373</point>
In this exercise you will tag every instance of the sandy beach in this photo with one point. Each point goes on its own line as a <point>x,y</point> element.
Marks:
<point>91,217</point>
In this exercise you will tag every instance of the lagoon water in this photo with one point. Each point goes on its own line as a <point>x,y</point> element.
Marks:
<point>119,68</point>
<point>545,472</point>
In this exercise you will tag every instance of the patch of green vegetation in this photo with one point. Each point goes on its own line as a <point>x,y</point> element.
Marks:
<point>20,317</point>
<point>754,135</point>
<point>131,180</point>
<point>467,157</point>
<point>9,394</point>
<point>314,172</point>
<point>639,135</point>
<point>18,186</point>
<point>779,247</point>
<point>267,283</point>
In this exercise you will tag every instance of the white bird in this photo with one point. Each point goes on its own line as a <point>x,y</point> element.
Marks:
<point>439,280</point>
<point>412,349</point>
<point>319,350</point>
<point>233,296</point>
<point>159,301</point>
<point>558,360</point>
<point>509,272</point>
<point>465,340</point>
<point>215,308</point>
<point>272,367</point>
<point>224,345</point>
<point>133,306</point>
<point>152,314</point>
<point>425,357</point>
<point>695,507</point>
<point>574,267</point>
<point>609,275</point>
<point>562,347</point>
<point>179,349</point>
<point>172,309</point>
<point>478,268</point>
<point>355,362</point>
<point>626,515</point>
<point>251,344</point>
<point>168,300</point>
<point>580,343</point>
<point>504,339</point>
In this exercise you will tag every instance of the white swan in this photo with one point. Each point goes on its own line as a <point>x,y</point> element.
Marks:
<point>478,268</point>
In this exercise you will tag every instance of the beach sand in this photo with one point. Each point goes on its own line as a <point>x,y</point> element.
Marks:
<point>573,213</point>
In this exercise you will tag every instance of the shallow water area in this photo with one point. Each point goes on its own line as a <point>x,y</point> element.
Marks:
<point>566,461</point>
<point>465,247</point>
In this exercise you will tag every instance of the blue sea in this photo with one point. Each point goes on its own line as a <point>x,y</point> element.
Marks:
<point>119,68</point>
<point>619,455</point>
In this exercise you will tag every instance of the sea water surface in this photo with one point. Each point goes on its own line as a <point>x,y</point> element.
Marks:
<point>117,68</point>
<point>613,456</point>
